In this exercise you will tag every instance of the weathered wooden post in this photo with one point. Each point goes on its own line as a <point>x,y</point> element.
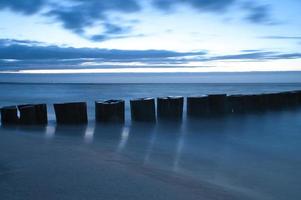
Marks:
<point>143,110</point>
<point>170,108</point>
<point>256,103</point>
<point>27,115</point>
<point>41,114</point>
<point>217,104</point>
<point>273,101</point>
<point>109,111</point>
<point>292,99</point>
<point>236,104</point>
<point>197,106</point>
<point>71,113</point>
<point>250,105</point>
<point>9,115</point>
<point>31,114</point>
<point>299,96</point>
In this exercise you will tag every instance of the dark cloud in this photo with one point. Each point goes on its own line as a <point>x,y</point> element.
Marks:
<point>112,31</point>
<point>23,54</point>
<point>244,56</point>
<point>258,56</point>
<point>32,51</point>
<point>78,15</point>
<point>289,56</point>
<point>203,5</point>
<point>8,42</point>
<point>258,14</point>
<point>26,7</point>
<point>86,13</point>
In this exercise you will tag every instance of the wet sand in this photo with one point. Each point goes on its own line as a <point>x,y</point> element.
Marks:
<point>235,157</point>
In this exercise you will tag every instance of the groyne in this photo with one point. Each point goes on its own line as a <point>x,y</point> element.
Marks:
<point>168,108</point>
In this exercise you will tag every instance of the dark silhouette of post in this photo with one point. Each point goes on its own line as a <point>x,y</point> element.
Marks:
<point>197,106</point>
<point>217,104</point>
<point>170,108</point>
<point>273,101</point>
<point>143,110</point>
<point>236,104</point>
<point>109,111</point>
<point>9,115</point>
<point>33,114</point>
<point>41,114</point>
<point>71,113</point>
<point>290,99</point>
<point>27,115</point>
<point>299,97</point>
<point>256,103</point>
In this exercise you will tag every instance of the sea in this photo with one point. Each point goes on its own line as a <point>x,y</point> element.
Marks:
<point>247,156</point>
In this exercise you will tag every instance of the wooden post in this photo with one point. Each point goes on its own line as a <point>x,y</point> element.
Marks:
<point>170,108</point>
<point>33,114</point>
<point>71,113</point>
<point>27,115</point>
<point>9,115</point>
<point>197,106</point>
<point>236,104</point>
<point>217,104</point>
<point>109,111</point>
<point>143,110</point>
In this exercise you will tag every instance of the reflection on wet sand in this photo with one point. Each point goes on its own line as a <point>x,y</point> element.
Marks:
<point>70,130</point>
<point>123,138</point>
<point>50,132</point>
<point>89,134</point>
<point>248,155</point>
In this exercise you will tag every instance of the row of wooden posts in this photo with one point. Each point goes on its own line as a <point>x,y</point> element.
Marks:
<point>144,109</point>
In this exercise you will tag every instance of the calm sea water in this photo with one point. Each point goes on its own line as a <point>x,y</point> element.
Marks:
<point>251,156</point>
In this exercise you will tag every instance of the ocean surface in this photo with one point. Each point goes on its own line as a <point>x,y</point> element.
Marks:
<point>250,156</point>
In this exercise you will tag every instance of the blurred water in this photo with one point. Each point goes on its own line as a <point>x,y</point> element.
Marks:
<point>251,156</point>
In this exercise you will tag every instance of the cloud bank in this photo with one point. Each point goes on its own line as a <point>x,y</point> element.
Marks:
<point>78,15</point>
<point>24,54</point>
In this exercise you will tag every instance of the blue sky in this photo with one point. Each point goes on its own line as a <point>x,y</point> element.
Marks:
<point>86,36</point>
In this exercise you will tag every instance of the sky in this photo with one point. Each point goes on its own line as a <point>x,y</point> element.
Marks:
<point>120,36</point>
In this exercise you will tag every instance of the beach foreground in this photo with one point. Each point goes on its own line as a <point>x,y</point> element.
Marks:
<point>235,157</point>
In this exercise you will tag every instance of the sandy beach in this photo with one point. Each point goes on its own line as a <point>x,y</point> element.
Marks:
<point>246,157</point>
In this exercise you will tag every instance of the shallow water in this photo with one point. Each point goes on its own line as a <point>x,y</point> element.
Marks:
<point>251,156</point>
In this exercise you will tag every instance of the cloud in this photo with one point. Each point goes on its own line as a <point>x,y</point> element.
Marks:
<point>30,50</point>
<point>258,56</point>
<point>250,50</point>
<point>26,7</point>
<point>280,37</point>
<point>26,54</point>
<point>9,42</point>
<point>258,14</point>
<point>79,15</point>
<point>112,31</point>
<point>205,5</point>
